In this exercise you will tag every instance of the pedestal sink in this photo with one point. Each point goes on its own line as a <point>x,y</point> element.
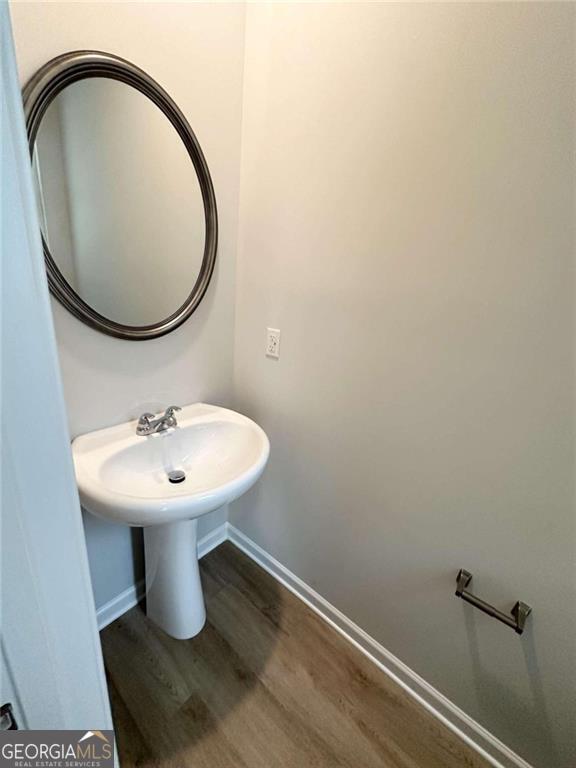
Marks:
<point>125,478</point>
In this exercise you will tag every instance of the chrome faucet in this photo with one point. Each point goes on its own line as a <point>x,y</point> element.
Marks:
<point>148,425</point>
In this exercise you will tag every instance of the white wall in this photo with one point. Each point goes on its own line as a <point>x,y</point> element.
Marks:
<point>195,51</point>
<point>407,221</point>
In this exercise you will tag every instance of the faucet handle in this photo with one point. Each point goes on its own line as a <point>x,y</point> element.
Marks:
<point>144,420</point>
<point>171,410</point>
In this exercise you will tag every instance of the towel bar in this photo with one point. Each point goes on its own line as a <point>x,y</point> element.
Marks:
<point>519,613</point>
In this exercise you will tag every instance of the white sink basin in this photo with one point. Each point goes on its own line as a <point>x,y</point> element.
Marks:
<point>123,477</point>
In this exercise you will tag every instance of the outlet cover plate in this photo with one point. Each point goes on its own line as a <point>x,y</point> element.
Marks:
<point>273,343</point>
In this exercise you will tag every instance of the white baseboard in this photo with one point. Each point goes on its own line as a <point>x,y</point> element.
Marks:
<point>212,540</point>
<point>116,607</point>
<point>477,737</point>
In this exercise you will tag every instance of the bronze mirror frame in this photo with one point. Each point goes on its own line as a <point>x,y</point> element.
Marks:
<point>38,94</point>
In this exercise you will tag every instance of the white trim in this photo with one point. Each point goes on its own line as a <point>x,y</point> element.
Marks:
<point>118,606</point>
<point>126,600</point>
<point>212,540</point>
<point>57,675</point>
<point>471,732</point>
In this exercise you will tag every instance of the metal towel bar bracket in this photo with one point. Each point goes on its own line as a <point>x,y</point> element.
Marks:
<point>519,613</point>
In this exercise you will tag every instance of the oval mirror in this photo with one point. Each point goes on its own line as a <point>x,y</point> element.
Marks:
<point>126,203</point>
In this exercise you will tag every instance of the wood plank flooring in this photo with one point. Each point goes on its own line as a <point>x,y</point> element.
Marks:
<point>266,684</point>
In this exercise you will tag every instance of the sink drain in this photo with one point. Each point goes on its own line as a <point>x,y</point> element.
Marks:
<point>176,476</point>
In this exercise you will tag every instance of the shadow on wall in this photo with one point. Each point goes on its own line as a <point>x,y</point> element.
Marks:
<point>170,696</point>
<point>493,696</point>
<point>115,555</point>
<point>138,568</point>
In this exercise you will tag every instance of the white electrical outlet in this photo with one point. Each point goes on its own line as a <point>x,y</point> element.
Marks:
<point>272,342</point>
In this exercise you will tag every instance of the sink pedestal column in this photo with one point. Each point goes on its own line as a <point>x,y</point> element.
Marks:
<point>174,597</point>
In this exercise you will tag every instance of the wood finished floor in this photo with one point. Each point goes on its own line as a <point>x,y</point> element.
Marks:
<point>266,684</point>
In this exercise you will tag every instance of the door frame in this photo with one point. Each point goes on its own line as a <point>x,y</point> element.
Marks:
<point>51,655</point>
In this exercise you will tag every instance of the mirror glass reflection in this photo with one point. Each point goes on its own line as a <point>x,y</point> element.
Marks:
<point>120,204</point>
